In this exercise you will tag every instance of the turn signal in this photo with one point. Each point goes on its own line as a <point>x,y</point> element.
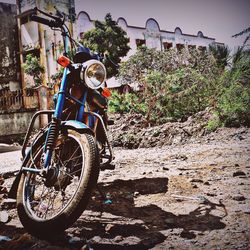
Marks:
<point>64,61</point>
<point>106,92</point>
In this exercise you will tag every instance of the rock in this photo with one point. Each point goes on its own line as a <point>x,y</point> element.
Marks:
<point>212,195</point>
<point>4,216</point>
<point>23,242</point>
<point>136,193</point>
<point>170,221</point>
<point>4,238</point>
<point>8,204</point>
<point>118,238</point>
<point>109,228</point>
<point>3,190</point>
<point>96,239</point>
<point>247,211</point>
<point>239,173</point>
<point>181,157</point>
<point>187,234</point>
<point>1,180</point>
<point>75,240</point>
<point>132,122</point>
<point>238,198</point>
<point>197,180</point>
<point>165,168</point>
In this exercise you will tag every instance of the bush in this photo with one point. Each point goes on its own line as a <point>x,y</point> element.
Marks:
<point>175,85</point>
<point>33,68</point>
<point>125,103</point>
<point>233,103</point>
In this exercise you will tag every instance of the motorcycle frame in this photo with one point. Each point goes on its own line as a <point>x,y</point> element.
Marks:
<point>57,114</point>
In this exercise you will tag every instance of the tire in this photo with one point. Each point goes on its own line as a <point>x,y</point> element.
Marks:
<point>50,205</point>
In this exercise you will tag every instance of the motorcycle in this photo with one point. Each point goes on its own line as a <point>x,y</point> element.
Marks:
<point>61,167</point>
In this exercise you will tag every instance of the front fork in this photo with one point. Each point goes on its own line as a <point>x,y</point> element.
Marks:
<point>51,141</point>
<point>55,123</point>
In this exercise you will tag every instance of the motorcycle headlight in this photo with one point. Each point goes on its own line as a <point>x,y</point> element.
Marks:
<point>93,73</point>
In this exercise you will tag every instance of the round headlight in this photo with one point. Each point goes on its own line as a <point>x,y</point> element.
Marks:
<point>93,74</point>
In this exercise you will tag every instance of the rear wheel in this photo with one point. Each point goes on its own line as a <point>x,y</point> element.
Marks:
<point>51,203</point>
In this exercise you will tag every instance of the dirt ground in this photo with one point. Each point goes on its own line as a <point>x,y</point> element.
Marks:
<point>194,195</point>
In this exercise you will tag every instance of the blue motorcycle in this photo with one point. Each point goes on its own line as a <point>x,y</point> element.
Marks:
<point>60,168</point>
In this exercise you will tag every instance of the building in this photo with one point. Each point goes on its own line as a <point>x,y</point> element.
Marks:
<point>39,40</point>
<point>19,95</point>
<point>151,35</point>
<point>10,67</point>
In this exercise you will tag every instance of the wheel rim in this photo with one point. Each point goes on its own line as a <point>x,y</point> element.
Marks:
<point>46,198</point>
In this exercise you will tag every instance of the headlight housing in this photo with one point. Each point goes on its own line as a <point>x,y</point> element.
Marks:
<point>93,73</point>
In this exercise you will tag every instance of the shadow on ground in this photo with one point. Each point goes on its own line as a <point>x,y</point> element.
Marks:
<point>120,224</point>
<point>150,220</point>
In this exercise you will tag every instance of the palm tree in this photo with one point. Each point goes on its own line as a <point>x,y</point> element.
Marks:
<point>245,31</point>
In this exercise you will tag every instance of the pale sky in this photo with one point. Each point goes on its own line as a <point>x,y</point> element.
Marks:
<point>219,19</point>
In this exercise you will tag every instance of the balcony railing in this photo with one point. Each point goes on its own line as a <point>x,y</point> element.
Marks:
<point>16,100</point>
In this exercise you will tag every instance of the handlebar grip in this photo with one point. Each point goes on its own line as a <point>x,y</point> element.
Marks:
<point>40,20</point>
<point>45,21</point>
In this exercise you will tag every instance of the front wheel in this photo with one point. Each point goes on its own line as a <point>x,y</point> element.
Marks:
<point>50,204</point>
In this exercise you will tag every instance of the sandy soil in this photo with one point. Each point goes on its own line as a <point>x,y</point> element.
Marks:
<point>191,196</point>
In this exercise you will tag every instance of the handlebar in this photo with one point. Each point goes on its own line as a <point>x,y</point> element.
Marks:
<point>50,23</point>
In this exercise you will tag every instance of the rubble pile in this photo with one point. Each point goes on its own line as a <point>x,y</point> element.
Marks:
<point>129,131</point>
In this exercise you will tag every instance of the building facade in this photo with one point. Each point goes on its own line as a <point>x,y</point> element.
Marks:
<point>10,67</point>
<point>150,35</point>
<point>41,41</point>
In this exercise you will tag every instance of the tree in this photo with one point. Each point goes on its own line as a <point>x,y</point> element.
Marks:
<point>244,32</point>
<point>33,68</point>
<point>221,54</point>
<point>108,39</point>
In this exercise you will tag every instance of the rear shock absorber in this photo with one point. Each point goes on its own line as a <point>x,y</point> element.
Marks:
<point>52,133</point>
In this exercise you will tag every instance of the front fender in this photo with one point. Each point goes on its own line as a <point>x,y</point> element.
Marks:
<point>77,126</point>
<point>65,125</point>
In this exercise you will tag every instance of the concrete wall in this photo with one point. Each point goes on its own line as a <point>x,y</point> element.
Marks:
<point>9,64</point>
<point>12,124</point>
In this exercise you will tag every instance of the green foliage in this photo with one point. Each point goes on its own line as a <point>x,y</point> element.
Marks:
<point>214,123</point>
<point>33,68</point>
<point>221,54</point>
<point>233,105</point>
<point>58,75</point>
<point>125,103</point>
<point>109,39</point>
<point>174,85</point>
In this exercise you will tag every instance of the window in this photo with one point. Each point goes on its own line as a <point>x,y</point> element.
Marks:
<point>191,47</point>
<point>81,35</point>
<point>140,42</point>
<point>167,45</point>
<point>152,25</point>
<point>180,46</point>
<point>202,49</point>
